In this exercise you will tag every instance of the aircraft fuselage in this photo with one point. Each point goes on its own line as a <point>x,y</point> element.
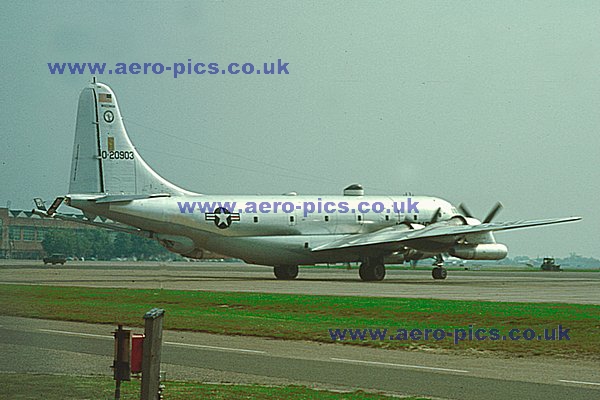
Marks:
<point>273,237</point>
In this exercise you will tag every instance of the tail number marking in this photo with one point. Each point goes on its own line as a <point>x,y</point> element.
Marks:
<point>117,155</point>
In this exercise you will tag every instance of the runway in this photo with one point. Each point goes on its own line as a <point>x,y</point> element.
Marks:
<point>41,346</point>
<point>496,285</point>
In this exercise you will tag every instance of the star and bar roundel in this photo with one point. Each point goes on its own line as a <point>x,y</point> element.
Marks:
<point>222,217</point>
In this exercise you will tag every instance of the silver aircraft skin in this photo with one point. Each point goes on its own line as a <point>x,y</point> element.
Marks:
<point>110,180</point>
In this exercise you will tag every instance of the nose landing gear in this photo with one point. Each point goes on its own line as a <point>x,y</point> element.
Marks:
<point>439,272</point>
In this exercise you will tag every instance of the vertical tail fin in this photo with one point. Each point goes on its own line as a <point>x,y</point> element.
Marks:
<point>104,159</point>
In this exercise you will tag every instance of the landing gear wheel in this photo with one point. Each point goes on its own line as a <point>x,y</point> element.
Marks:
<point>286,272</point>
<point>372,271</point>
<point>364,272</point>
<point>378,272</point>
<point>439,273</point>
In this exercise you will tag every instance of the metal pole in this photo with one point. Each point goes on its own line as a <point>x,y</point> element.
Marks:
<point>121,361</point>
<point>118,391</point>
<point>152,351</point>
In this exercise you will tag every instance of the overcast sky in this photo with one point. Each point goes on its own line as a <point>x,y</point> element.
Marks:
<point>469,101</point>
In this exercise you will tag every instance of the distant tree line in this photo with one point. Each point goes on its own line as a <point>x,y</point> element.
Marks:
<point>102,245</point>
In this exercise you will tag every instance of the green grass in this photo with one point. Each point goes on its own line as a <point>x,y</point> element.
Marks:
<point>50,387</point>
<point>308,317</point>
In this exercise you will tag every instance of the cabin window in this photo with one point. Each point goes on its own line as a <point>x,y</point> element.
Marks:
<point>306,245</point>
<point>387,217</point>
<point>359,217</point>
<point>327,218</point>
<point>255,219</point>
<point>415,217</point>
<point>291,218</point>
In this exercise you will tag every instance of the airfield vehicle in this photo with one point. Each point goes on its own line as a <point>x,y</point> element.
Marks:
<point>549,265</point>
<point>55,259</point>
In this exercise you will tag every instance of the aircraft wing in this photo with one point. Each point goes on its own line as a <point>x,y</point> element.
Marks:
<point>399,235</point>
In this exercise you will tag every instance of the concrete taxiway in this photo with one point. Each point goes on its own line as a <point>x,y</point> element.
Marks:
<point>41,346</point>
<point>497,285</point>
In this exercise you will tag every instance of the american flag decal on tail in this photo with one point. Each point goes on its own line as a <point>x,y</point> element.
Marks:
<point>105,98</point>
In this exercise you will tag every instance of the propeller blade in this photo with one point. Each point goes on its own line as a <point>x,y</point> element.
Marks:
<point>493,213</point>
<point>464,210</point>
<point>436,215</point>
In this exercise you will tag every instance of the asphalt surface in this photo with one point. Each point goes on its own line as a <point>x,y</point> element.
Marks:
<point>496,285</point>
<point>40,346</point>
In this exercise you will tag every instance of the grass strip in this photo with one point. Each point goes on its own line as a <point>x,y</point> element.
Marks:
<point>60,387</point>
<point>309,317</point>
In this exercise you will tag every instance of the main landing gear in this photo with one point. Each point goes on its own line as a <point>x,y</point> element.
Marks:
<point>286,272</point>
<point>372,269</point>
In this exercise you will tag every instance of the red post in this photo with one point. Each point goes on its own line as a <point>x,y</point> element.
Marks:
<point>137,352</point>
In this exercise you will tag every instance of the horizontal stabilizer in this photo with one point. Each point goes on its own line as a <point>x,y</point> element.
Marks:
<point>128,197</point>
<point>106,225</point>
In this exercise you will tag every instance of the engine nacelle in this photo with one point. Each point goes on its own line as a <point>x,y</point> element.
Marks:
<point>486,251</point>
